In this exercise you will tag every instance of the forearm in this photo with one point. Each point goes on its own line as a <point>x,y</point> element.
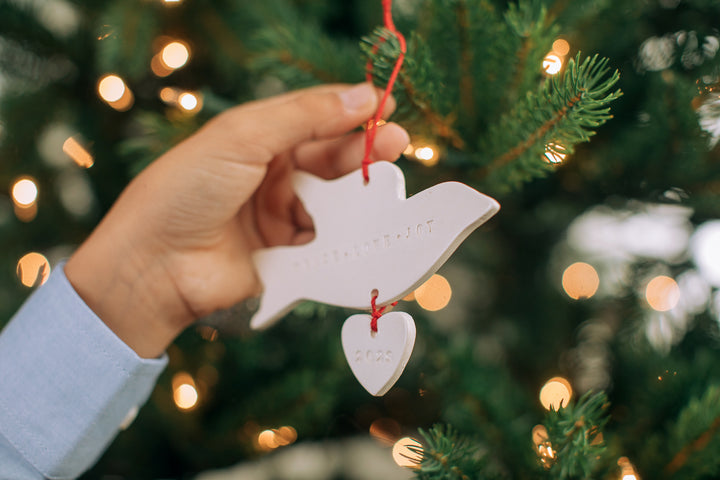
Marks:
<point>68,383</point>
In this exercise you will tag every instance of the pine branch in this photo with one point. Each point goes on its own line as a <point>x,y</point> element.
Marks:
<point>695,438</point>
<point>300,54</point>
<point>419,82</point>
<point>573,443</point>
<point>565,111</point>
<point>446,456</point>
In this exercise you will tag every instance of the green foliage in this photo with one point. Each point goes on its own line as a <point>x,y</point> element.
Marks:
<point>693,439</point>
<point>574,436</point>
<point>447,456</point>
<point>562,113</point>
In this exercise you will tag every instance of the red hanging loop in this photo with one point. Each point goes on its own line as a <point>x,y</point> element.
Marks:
<point>377,312</point>
<point>372,124</point>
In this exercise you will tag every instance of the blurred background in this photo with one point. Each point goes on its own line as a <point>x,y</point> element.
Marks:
<point>599,274</point>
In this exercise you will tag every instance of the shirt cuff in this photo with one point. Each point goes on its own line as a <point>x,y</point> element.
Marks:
<point>67,381</point>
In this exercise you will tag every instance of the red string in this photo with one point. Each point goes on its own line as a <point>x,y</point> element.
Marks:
<point>372,124</point>
<point>377,312</point>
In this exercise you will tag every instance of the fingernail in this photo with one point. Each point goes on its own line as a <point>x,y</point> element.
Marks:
<point>358,96</point>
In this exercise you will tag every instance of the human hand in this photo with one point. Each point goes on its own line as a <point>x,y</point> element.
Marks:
<point>177,244</point>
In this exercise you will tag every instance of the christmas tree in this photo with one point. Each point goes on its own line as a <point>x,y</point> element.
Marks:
<point>581,337</point>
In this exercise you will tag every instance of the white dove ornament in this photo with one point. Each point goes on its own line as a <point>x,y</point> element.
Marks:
<point>367,237</point>
<point>371,242</point>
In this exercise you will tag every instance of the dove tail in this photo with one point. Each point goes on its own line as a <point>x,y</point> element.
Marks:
<point>280,291</point>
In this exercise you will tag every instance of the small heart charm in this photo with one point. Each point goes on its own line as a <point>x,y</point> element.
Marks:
<point>377,359</point>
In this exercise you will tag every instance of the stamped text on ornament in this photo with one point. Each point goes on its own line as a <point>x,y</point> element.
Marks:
<point>373,356</point>
<point>358,251</point>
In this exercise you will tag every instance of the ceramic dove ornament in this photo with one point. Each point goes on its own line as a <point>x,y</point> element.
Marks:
<point>367,237</point>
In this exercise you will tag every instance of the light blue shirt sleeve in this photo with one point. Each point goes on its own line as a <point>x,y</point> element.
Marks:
<point>67,382</point>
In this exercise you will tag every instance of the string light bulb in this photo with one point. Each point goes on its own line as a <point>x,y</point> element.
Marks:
<point>662,293</point>
<point>405,452</point>
<point>33,269</point>
<point>552,64</point>
<point>190,102</point>
<point>185,393</point>
<point>556,393</point>
<point>24,192</point>
<point>114,91</point>
<point>434,294</point>
<point>555,153</point>
<point>78,153</point>
<point>580,280</point>
<point>175,54</point>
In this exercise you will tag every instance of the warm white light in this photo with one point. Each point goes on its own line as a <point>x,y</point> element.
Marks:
<point>33,269</point>
<point>552,64</point>
<point>561,47</point>
<point>403,453</point>
<point>188,101</point>
<point>425,153</point>
<point>555,153</point>
<point>175,55</point>
<point>705,248</point>
<point>78,153</point>
<point>111,88</point>
<point>580,280</point>
<point>556,393</point>
<point>662,293</point>
<point>185,396</point>
<point>434,294</point>
<point>24,192</point>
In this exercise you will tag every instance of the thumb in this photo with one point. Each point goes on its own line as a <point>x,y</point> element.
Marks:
<point>269,127</point>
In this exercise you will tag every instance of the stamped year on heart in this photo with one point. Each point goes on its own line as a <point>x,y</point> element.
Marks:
<point>377,359</point>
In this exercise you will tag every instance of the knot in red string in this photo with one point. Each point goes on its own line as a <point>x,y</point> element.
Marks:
<point>372,124</point>
<point>377,312</point>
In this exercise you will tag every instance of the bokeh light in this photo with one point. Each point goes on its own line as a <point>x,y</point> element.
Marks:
<point>426,155</point>
<point>111,88</point>
<point>552,64</point>
<point>627,469</point>
<point>24,192</point>
<point>561,47</point>
<point>706,254</point>
<point>33,269</point>
<point>271,439</point>
<point>78,153</point>
<point>175,55</point>
<point>385,430</point>
<point>555,153</point>
<point>556,393</point>
<point>403,453</point>
<point>580,280</point>
<point>662,293</point>
<point>189,102</point>
<point>185,393</point>
<point>434,294</point>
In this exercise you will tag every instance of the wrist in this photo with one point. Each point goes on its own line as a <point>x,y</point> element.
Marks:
<point>129,290</point>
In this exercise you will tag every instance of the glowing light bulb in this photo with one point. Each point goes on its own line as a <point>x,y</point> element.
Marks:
<point>427,156</point>
<point>434,294</point>
<point>555,153</point>
<point>556,393</point>
<point>552,64</point>
<point>78,153</point>
<point>33,269</point>
<point>662,293</point>
<point>111,88</point>
<point>190,102</point>
<point>580,280</point>
<point>561,47</point>
<point>405,452</point>
<point>24,192</point>
<point>175,55</point>
<point>385,430</point>
<point>185,394</point>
